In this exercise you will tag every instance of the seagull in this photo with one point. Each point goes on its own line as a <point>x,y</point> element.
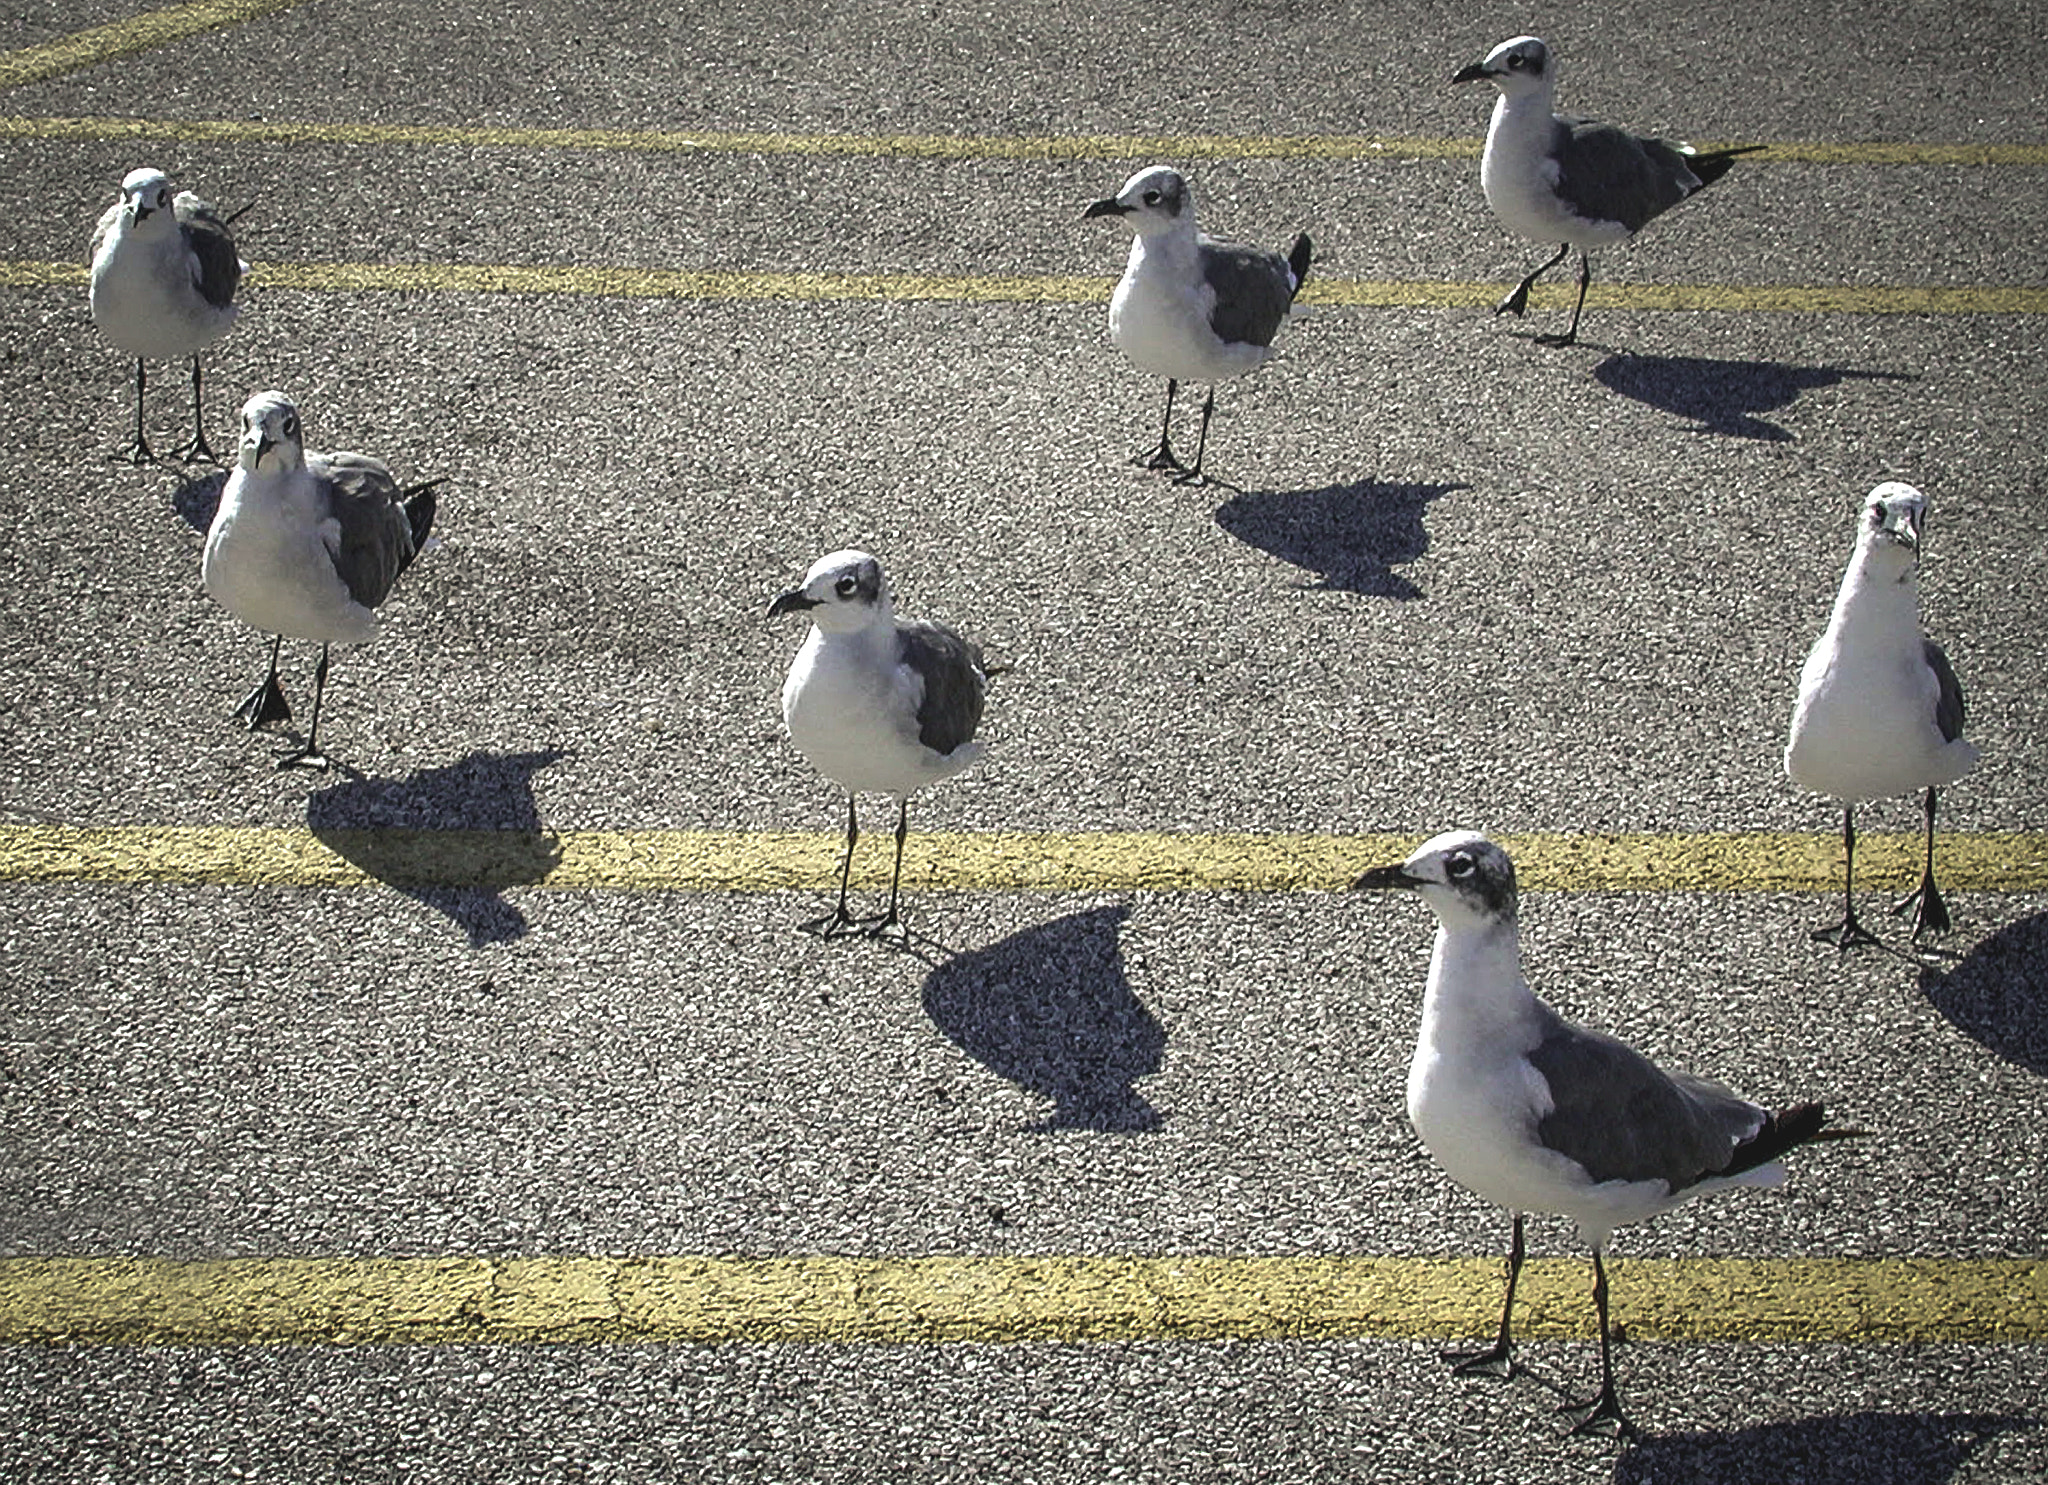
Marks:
<point>1577,183</point>
<point>1880,711</point>
<point>307,545</point>
<point>877,703</point>
<point>1190,308</point>
<point>164,273</point>
<point>1538,1114</point>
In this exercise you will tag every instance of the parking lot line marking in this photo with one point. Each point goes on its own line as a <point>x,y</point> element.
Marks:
<point>994,861</point>
<point>138,33</point>
<point>934,1299</point>
<point>713,284</point>
<point>1044,147</point>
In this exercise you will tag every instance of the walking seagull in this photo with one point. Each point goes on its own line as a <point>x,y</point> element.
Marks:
<point>164,273</point>
<point>1537,1114</point>
<point>307,545</point>
<point>1880,711</point>
<point>1190,308</point>
<point>876,703</point>
<point>1574,182</point>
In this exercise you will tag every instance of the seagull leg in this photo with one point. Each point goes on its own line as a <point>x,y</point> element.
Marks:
<point>310,755</point>
<point>839,920</point>
<point>1163,456</point>
<point>892,919</point>
<point>1517,303</point>
<point>1494,1361</point>
<point>1930,913</point>
<point>1571,334</point>
<point>137,449</point>
<point>1605,1406</point>
<point>1194,476</point>
<point>266,703</point>
<point>1848,933</point>
<point>198,448</point>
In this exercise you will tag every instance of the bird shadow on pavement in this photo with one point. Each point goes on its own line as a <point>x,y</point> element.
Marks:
<point>1997,994</point>
<point>452,837</point>
<point>1050,1010</point>
<point>1851,1449</point>
<point>1351,536</point>
<point>1724,396</point>
<point>197,497</point>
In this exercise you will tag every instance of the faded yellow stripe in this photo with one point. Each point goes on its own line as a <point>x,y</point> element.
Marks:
<point>705,1300</point>
<point>659,283</point>
<point>1046,147</point>
<point>766,861</point>
<point>153,28</point>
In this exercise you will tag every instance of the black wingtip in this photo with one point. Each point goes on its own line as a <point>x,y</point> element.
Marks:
<point>1786,1130</point>
<point>1298,260</point>
<point>420,504</point>
<point>1714,164</point>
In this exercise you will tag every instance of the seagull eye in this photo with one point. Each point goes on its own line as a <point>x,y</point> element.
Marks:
<point>1151,198</point>
<point>845,586</point>
<point>1459,864</point>
<point>291,426</point>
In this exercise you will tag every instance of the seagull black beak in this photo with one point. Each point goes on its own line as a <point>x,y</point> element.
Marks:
<point>1110,208</point>
<point>1475,73</point>
<point>1386,878</point>
<point>792,602</point>
<point>142,212</point>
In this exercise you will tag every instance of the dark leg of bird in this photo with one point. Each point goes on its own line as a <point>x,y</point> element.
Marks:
<point>892,919</point>
<point>137,449</point>
<point>1517,303</point>
<point>1848,933</point>
<point>1494,1361</point>
<point>839,920</point>
<point>1163,457</point>
<point>198,448</point>
<point>266,703</point>
<point>1571,334</point>
<point>1930,913</point>
<point>1194,476</point>
<point>1605,1407</point>
<point>310,755</point>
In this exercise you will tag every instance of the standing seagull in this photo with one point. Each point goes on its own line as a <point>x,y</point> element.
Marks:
<point>164,273</point>
<point>307,545</point>
<point>1880,712</point>
<point>1574,182</point>
<point>876,703</point>
<point>1537,1114</point>
<point>1190,308</point>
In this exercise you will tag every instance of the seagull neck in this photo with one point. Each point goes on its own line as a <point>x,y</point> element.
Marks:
<point>1476,989</point>
<point>1878,581</point>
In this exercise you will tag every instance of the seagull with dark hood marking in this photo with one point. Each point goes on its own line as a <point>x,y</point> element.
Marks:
<point>1189,307</point>
<point>1574,182</point>
<point>877,703</point>
<point>1538,1114</point>
<point>307,545</point>
<point>164,274</point>
<point>1880,711</point>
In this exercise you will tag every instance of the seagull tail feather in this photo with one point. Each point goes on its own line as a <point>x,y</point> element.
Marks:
<point>1784,1131</point>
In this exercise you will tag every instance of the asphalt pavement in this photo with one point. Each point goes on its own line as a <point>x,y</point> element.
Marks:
<point>1445,576</point>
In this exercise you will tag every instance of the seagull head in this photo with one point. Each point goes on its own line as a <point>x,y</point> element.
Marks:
<point>843,592</point>
<point>1516,67</point>
<point>272,440</point>
<point>1152,201</point>
<point>146,192</point>
<point>1464,877</point>
<point>1894,516</point>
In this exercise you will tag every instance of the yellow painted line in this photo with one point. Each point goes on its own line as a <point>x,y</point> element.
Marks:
<point>1045,147</point>
<point>767,861</point>
<point>139,33</point>
<point>714,1300</point>
<point>703,284</point>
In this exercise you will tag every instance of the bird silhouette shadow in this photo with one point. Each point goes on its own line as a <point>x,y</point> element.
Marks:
<point>197,497</point>
<point>1724,396</point>
<point>1850,1449</point>
<point>1351,536</point>
<point>1997,994</point>
<point>1050,1010</point>
<point>452,837</point>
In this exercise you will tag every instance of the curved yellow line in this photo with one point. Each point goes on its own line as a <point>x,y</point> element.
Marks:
<point>97,44</point>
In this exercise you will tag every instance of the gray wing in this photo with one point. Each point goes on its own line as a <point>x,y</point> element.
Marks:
<point>103,226</point>
<point>954,686</point>
<point>220,267</point>
<point>1253,291</point>
<point>1948,707</point>
<point>1608,174</point>
<point>1625,1119</point>
<point>376,538</point>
